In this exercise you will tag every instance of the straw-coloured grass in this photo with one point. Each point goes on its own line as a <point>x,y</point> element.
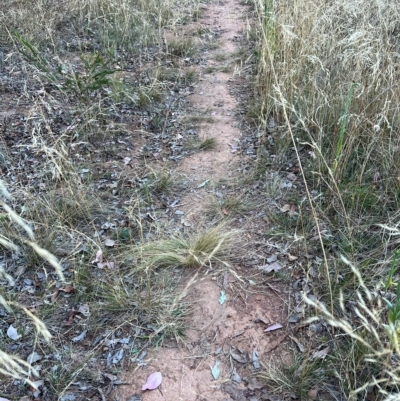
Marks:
<point>328,82</point>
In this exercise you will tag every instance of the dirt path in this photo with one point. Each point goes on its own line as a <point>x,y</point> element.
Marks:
<point>213,99</point>
<point>230,335</point>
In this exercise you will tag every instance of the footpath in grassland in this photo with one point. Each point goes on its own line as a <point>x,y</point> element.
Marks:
<point>225,341</point>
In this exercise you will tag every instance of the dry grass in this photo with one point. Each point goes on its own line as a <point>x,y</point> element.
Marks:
<point>79,63</point>
<point>87,25</point>
<point>204,250</point>
<point>328,85</point>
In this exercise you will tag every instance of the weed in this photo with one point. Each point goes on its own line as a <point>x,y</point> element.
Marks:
<point>95,76</point>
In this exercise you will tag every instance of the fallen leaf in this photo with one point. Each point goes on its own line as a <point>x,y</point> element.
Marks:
<point>67,397</point>
<point>80,337</point>
<point>292,258</point>
<point>54,295</point>
<point>222,298</point>
<point>84,309</point>
<point>298,343</point>
<point>153,381</point>
<point>275,326</point>
<point>292,210</point>
<point>127,160</point>
<point>285,208</point>
<point>99,257</point>
<point>234,377</point>
<point>239,358</point>
<point>110,377</point>
<point>238,333</point>
<point>109,242</point>
<point>313,394</point>
<point>254,384</point>
<point>273,267</point>
<point>377,176</point>
<point>70,318</point>
<point>12,333</point>
<point>224,211</point>
<point>262,320</point>
<point>320,354</point>
<point>291,177</point>
<point>204,183</point>
<point>226,280</point>
<point>110,265</point>
<point>295,318</point>
<point>118,356</point>
<point>34,357</point>
<point>215,371</point>
<point>254,359</point>
<point>67,289</point>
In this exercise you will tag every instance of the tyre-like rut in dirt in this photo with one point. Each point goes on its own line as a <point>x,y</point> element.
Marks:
<point>215,332</point>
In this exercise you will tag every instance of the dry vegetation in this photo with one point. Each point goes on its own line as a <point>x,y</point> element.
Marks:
<point>84,259</point>
<point>328,90</point>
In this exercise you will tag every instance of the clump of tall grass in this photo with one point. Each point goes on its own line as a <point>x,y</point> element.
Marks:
<point>335,71</point>
<point>328,78</point>
<point>201,251</point>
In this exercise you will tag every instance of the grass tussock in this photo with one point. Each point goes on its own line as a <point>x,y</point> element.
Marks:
<point>329,102</point>
<point>202,251</point>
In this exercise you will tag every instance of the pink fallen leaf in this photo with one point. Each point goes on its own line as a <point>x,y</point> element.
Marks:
<point>99,257</point>
<point>127,160</point>
<point>275,326</point>
<point>153,381</point>
<point>110,265</point>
